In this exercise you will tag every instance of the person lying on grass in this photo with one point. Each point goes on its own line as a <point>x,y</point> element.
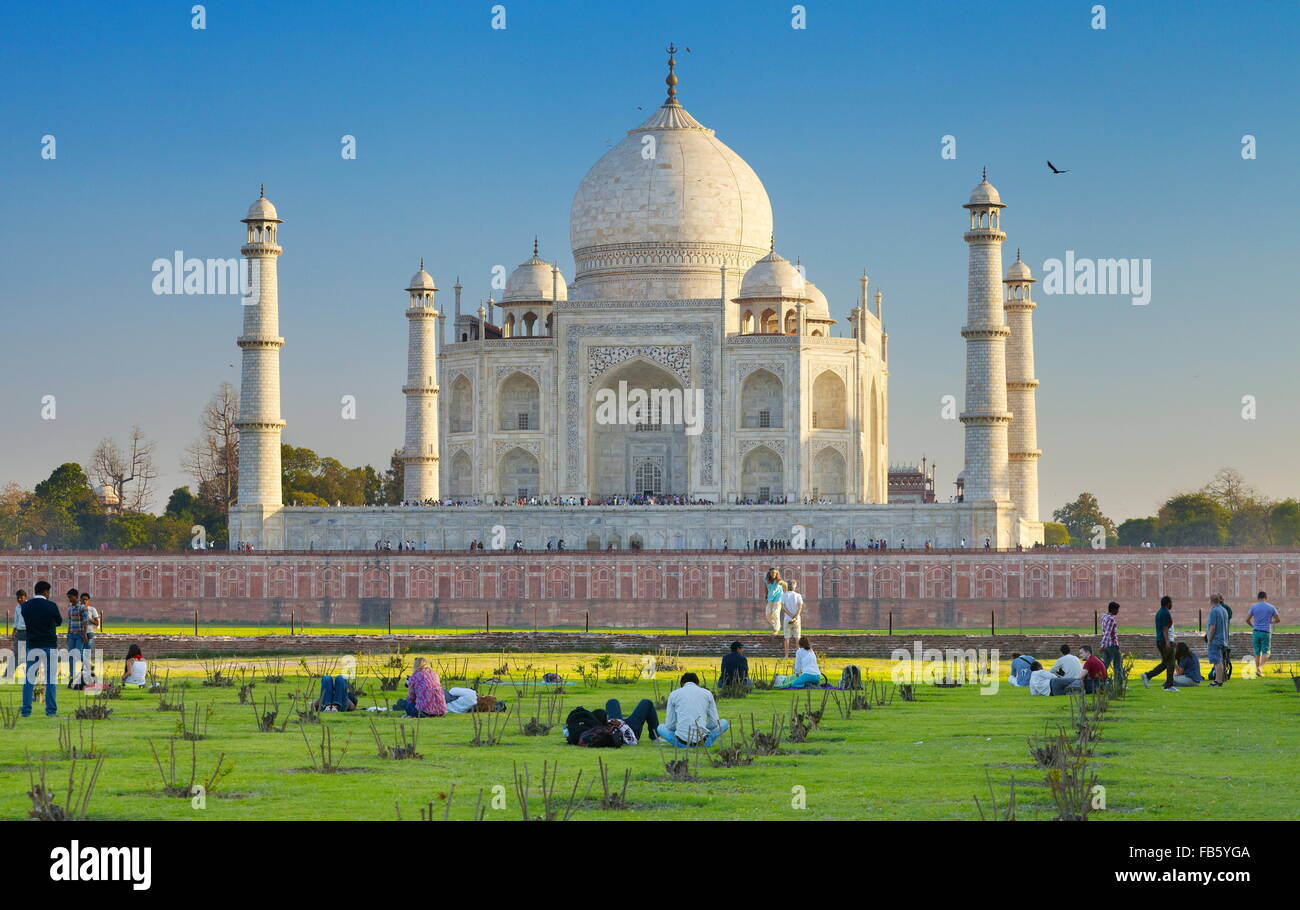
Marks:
<point>334,695</point>
<point>609,729</point>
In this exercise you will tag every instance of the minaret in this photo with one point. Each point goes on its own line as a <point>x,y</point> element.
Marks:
<point>259,388</point>
<point>986,416</point>
<point>1022,437</point>
<point>420,455</point>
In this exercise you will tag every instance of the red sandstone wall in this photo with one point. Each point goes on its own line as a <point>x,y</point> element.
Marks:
<point>647,589</point>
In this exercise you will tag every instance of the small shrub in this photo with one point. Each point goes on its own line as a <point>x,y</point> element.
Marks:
<point>552,809</point>
<point>178,786</point>
<point>404,740</point>
<point>613,799</point>
<point>76,798</point>
<point>324,759</point>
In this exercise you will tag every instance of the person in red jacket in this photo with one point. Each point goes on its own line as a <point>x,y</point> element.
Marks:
<point>1094,671</point>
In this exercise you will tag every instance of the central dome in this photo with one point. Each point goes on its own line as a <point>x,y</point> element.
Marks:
<point>661,213</point>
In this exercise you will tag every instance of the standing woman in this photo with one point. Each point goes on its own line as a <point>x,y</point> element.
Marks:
<point>776,589</point>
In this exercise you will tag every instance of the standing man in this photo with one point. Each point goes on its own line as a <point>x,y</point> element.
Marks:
<point>1110,653</point>
<point>1262,617</point>
<point>20,635</point>
<point>1216,638</point>
<point>76,638</point>
<point>1165,645</point>
<point>791,614</point>
<point>42,618</point>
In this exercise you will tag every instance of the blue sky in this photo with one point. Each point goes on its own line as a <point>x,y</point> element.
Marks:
<point>471,140</point>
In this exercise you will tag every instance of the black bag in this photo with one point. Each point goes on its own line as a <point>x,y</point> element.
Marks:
<point>579,721</point>
<point>603,736</point>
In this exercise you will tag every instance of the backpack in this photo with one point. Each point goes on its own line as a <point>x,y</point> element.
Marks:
<point>851,677</point>
<point>600,737</point>
<point>579,721</point>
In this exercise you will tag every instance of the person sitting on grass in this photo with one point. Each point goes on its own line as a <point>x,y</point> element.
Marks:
<point>1045,682</point>
<point>1189,667</point>
<point>1068,665</point>
<point>806,671</point>
<point>136,669</point>
<point>735,668</point>
<point>1094,670</point>
<point>692,716</point>
<point>424,695</point>
<point>1021,666</point>
<point>334,695</point>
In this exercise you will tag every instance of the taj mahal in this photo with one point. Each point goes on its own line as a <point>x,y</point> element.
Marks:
<point>750,418</point>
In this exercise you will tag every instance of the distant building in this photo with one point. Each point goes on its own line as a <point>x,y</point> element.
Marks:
<point>686,362</point>
<point>911,484</point>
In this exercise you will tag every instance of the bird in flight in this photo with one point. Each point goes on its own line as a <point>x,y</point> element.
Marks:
<point>1056,170</point>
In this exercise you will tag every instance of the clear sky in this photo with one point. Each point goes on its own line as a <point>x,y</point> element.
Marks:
<point>470,140</point>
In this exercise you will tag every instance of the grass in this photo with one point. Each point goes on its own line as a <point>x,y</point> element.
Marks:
<point>1200,754</point>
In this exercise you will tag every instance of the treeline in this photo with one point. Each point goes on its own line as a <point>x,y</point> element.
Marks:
<point>108,502</point>
<point>1225,512</point>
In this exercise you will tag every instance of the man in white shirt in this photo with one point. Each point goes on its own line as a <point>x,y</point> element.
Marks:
<point>1067,665</point>
<point>791,614</point>
<point>692,718</point>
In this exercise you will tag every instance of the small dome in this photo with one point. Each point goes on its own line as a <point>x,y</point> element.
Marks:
<point>1019,272</point>
<point>773,276</point>
<point>262,210</point>
<point>106,494</point>
<point>532,281</point>
<point>818,308</point>
<point>985,194</point>
<point>422,280</point>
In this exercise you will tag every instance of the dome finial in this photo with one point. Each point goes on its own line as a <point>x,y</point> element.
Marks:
<point>261,193</point>
<point>671,81</point>
<point>772,243</point>
<point>1017,254</point>
<point>534,245</point>
<point>421,263</point>
<point>985,176</point>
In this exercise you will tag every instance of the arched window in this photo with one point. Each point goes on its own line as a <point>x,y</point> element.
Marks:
<point>828,402</point>
<point>519,403</point>
<point>762,401</point>
<point>460,417</point>
<point>769,324</point>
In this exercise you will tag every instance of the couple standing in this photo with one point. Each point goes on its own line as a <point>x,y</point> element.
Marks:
<point>784,607</point>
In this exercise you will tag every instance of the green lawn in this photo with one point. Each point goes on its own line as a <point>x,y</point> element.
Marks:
<point>1201,754</point>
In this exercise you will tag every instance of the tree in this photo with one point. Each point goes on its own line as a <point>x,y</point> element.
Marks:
<point>13,500</point>
<point>1055,534</point>
<point>1081,516</point>
<point>213,459</point>
<point>1284,521</point>
<point>1229,489</point>
<point>62,511</point>
<point>130,473</point>
<point>1136,531</point>
<point>1192,520</point>
<point>394,481</point>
